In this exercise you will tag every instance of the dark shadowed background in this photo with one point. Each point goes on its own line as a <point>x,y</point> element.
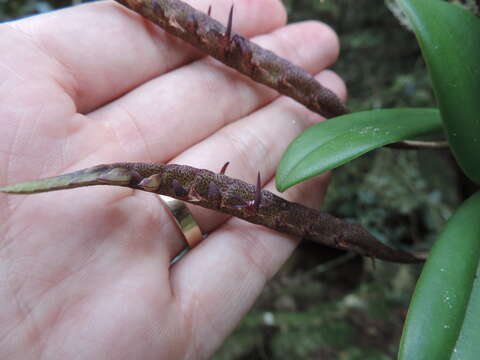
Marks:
<point>326,304</point>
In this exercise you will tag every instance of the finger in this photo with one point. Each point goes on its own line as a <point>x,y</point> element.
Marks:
<point>99,51</point>
<point>253,144</point>
<point>198,99</point>
<point>217,282</point>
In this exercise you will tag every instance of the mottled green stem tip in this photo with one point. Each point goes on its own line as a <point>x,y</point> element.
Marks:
<point>98,175</point>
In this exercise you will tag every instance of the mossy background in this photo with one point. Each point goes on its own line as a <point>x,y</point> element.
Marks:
<point>325,304</point>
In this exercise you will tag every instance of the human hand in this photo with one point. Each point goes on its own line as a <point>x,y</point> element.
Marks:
<point>86,273</point>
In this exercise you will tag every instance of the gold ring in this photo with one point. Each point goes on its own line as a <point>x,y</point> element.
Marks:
<point>184,219</point>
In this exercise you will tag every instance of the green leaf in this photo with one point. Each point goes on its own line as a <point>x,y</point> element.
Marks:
<point>335,142</point>
<point>449,36</point>
<point>442,321</point>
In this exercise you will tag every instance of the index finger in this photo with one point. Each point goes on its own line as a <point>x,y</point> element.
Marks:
<point>104,49</point>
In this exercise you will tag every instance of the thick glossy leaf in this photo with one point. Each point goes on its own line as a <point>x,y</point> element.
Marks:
<point>449,37</point>
<point>335,142</point>
<point>442,321</point>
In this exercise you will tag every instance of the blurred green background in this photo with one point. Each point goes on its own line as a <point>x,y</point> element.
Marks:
<point>326,304</point>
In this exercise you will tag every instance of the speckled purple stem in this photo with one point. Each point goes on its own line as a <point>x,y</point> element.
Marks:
<point>222,193</point>
<point>210,36</point>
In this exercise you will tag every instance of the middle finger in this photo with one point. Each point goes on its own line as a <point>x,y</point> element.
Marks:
<point>163,117</point>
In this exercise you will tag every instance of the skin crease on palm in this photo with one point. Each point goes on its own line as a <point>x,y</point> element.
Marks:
<point>84,274</point>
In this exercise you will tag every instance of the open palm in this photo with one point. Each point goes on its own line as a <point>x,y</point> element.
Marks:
<point>85,273</point>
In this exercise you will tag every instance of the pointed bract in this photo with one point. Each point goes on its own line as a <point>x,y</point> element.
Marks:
<point>194,196</point>
<point>116,176</point>
<point>258,193</point>
<point>224,168</point>
<point>228,33</point>
<point>151,183</point>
